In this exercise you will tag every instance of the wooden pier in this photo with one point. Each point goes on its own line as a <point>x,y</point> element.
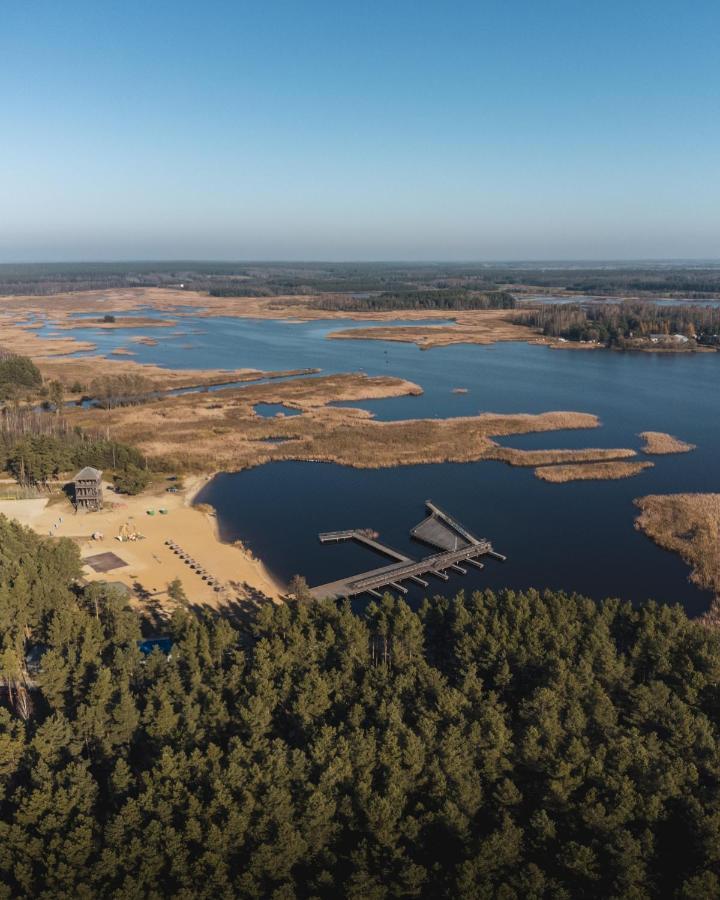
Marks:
<point>442,531</point>
<point>360,535</point>
<point>439,530</point>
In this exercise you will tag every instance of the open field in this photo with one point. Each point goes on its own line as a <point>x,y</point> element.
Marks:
<point>598,471</point>
<point>87,368</point>
<point>26,512</point>
<point>59,307</point>
<point>657,443</point>
<point>688,524</point>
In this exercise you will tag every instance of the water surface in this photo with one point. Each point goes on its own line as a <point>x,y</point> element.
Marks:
<point>577,536</point>
<point>270,410</point>
<point>574,537</point>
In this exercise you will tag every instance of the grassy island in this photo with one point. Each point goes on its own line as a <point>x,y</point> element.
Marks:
<point>657,443</point>
<point>591,471</point>
<point>688,524</point>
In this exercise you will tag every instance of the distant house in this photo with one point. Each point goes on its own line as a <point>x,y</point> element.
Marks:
<point>88,489</point>
<point>669,339</point>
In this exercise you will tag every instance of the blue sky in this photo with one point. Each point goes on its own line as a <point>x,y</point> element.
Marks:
<point>363,130</point>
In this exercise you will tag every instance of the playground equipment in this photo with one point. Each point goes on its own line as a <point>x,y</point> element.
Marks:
<point>128,532</point>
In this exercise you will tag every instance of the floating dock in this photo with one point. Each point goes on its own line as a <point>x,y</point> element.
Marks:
<point>453,544</point>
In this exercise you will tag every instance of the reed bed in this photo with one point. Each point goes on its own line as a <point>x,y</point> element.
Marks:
<point>657,443</point>
<point>597,471</point>
<point>222,431</point>
<point>688,524</point>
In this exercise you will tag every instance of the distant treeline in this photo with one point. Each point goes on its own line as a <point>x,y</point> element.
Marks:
<point>430,300</point>
<point>36,447</point>
<point>21,379</point>
<point>52,278</point>
<point>282,278</point>
<point>241,290</point>
<point>276,287</point>
<point>617,324</point>
<point>693,282</point>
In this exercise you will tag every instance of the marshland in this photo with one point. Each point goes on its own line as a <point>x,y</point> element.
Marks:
<point>543,451</point>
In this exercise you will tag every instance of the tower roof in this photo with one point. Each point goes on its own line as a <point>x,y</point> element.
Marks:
<point>88,474</point>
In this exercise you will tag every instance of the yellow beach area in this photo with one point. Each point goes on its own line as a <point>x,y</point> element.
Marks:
<point>147,564</point>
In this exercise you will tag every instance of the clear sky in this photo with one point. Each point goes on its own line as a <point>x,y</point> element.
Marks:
<point>334,130</point>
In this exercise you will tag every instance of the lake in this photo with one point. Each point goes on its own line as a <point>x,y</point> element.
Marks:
<point>577,536</point>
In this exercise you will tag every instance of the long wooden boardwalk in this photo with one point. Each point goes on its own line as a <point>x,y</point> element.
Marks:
<point>361,536</point>
<point>440,530</point>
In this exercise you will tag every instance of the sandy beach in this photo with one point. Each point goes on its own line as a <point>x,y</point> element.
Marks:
<point>148,565</point>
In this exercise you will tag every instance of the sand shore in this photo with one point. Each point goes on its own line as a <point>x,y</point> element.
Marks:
<point>149,565</point>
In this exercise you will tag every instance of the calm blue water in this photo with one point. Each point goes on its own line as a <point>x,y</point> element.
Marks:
<point>269,410</point>
<point>229,343</point>
<point>577,536</point>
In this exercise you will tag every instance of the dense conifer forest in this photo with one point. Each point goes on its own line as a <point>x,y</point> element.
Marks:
<point>17,374</point>
<point>37,448</point>
<point>437,299</point>
<point>37,444</point>
<point>248,279</point>
<point>513,745</point>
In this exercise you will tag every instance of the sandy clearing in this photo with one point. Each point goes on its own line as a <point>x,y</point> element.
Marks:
<point>151,565</point>
<point>26,512</point>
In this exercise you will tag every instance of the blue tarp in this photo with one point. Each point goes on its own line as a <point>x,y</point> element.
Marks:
<point>164,644</point>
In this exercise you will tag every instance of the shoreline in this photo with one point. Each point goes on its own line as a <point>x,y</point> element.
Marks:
<point>224,433</point>
<point>190,499</point>
<point>468,326</point>
<point>147,566</point>
<point>686,524</point>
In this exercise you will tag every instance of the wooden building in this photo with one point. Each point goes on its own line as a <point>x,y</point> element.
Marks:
<point>88,489</point>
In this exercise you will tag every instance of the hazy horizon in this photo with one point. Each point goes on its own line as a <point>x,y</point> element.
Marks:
<point>469,132</point>
<point>288,261</point>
